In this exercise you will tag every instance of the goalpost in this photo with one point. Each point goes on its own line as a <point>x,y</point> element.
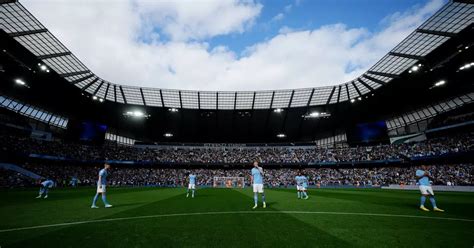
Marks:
<point>229,182</point>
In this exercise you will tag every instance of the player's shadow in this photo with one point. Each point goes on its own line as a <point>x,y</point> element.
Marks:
<point>271,204</point>
<point>127,205</point>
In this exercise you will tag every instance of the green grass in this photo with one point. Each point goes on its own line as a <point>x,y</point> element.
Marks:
<point>276,228</point>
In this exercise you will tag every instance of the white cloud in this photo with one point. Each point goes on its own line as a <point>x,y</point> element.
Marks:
<point>108,37</point>
<point>285,30</point>
<point>184,20</point>
<point>278,17</point>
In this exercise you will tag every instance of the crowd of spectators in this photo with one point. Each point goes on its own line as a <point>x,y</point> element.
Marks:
<point>10,178</point>
<point>283,177</point>
<point>63,172</point>
<point>236,155</point>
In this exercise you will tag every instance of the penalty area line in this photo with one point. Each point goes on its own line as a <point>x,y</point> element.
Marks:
<point>228,213</point>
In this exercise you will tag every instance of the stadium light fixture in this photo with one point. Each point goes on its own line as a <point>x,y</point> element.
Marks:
<point>281,135</point>
<point>136,114</point>
<point>466,66</point>
<point>168,135</point>
<point>43,67</point>
<point>316,114</point>
<point>278,110</point>
<point>439,83</point>
<point>96,98</point>
<point>415,68</point>
<point>20,82</point>
<point>173,109</point>
<point>353,100</point>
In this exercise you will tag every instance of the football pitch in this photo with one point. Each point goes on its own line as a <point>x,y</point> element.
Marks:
<point>161,217</point>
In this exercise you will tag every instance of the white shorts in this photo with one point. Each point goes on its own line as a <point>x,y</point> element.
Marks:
<point>101,189</point>
<point>426,190</point>
<point>258,188</point>
<point>192,186</point>
<point>300,188</point>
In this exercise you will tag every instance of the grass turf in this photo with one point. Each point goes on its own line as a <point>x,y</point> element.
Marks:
<point>276,228</point>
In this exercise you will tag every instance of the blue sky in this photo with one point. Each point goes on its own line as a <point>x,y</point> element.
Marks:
<point>311,14</point>
<point>231,44</point>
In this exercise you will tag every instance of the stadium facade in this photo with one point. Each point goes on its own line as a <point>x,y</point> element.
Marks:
<point>419,80</point>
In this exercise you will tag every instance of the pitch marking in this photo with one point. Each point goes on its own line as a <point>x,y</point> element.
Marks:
<point>226,213</point>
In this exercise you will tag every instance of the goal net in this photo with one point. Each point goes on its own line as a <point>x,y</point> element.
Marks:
<point>229,182</point>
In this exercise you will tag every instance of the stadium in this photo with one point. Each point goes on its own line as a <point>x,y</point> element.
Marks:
<point>217,130</point>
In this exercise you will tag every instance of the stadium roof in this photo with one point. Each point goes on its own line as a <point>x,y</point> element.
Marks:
<point>21,25</point>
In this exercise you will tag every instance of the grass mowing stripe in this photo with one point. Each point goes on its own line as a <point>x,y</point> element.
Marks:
<point>231,212</point>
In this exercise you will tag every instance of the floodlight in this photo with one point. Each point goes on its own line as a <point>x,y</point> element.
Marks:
<point>466,66</point>
<point>136,114</point>
<point>281,135</point>
<point>439,83</point>
<point>20,82</point>
<point>278,110</point>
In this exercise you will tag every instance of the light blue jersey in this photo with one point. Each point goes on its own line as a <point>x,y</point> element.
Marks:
<point>424,181</point>
<point>103,176</point>
<point>305,181</point>
<point>48,184</point>
<point>299,180</point>
<point>257,176</point>
<point>192,179</point>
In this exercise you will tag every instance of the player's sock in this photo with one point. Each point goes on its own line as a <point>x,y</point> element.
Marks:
<point>104,199</point>
<point>299,195</point>
<point>255,198</point>
<point>192,193</point>
<point>263,197</point>
<point>422,200</point>
<point>433,201</point>
<point>95,199</point>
